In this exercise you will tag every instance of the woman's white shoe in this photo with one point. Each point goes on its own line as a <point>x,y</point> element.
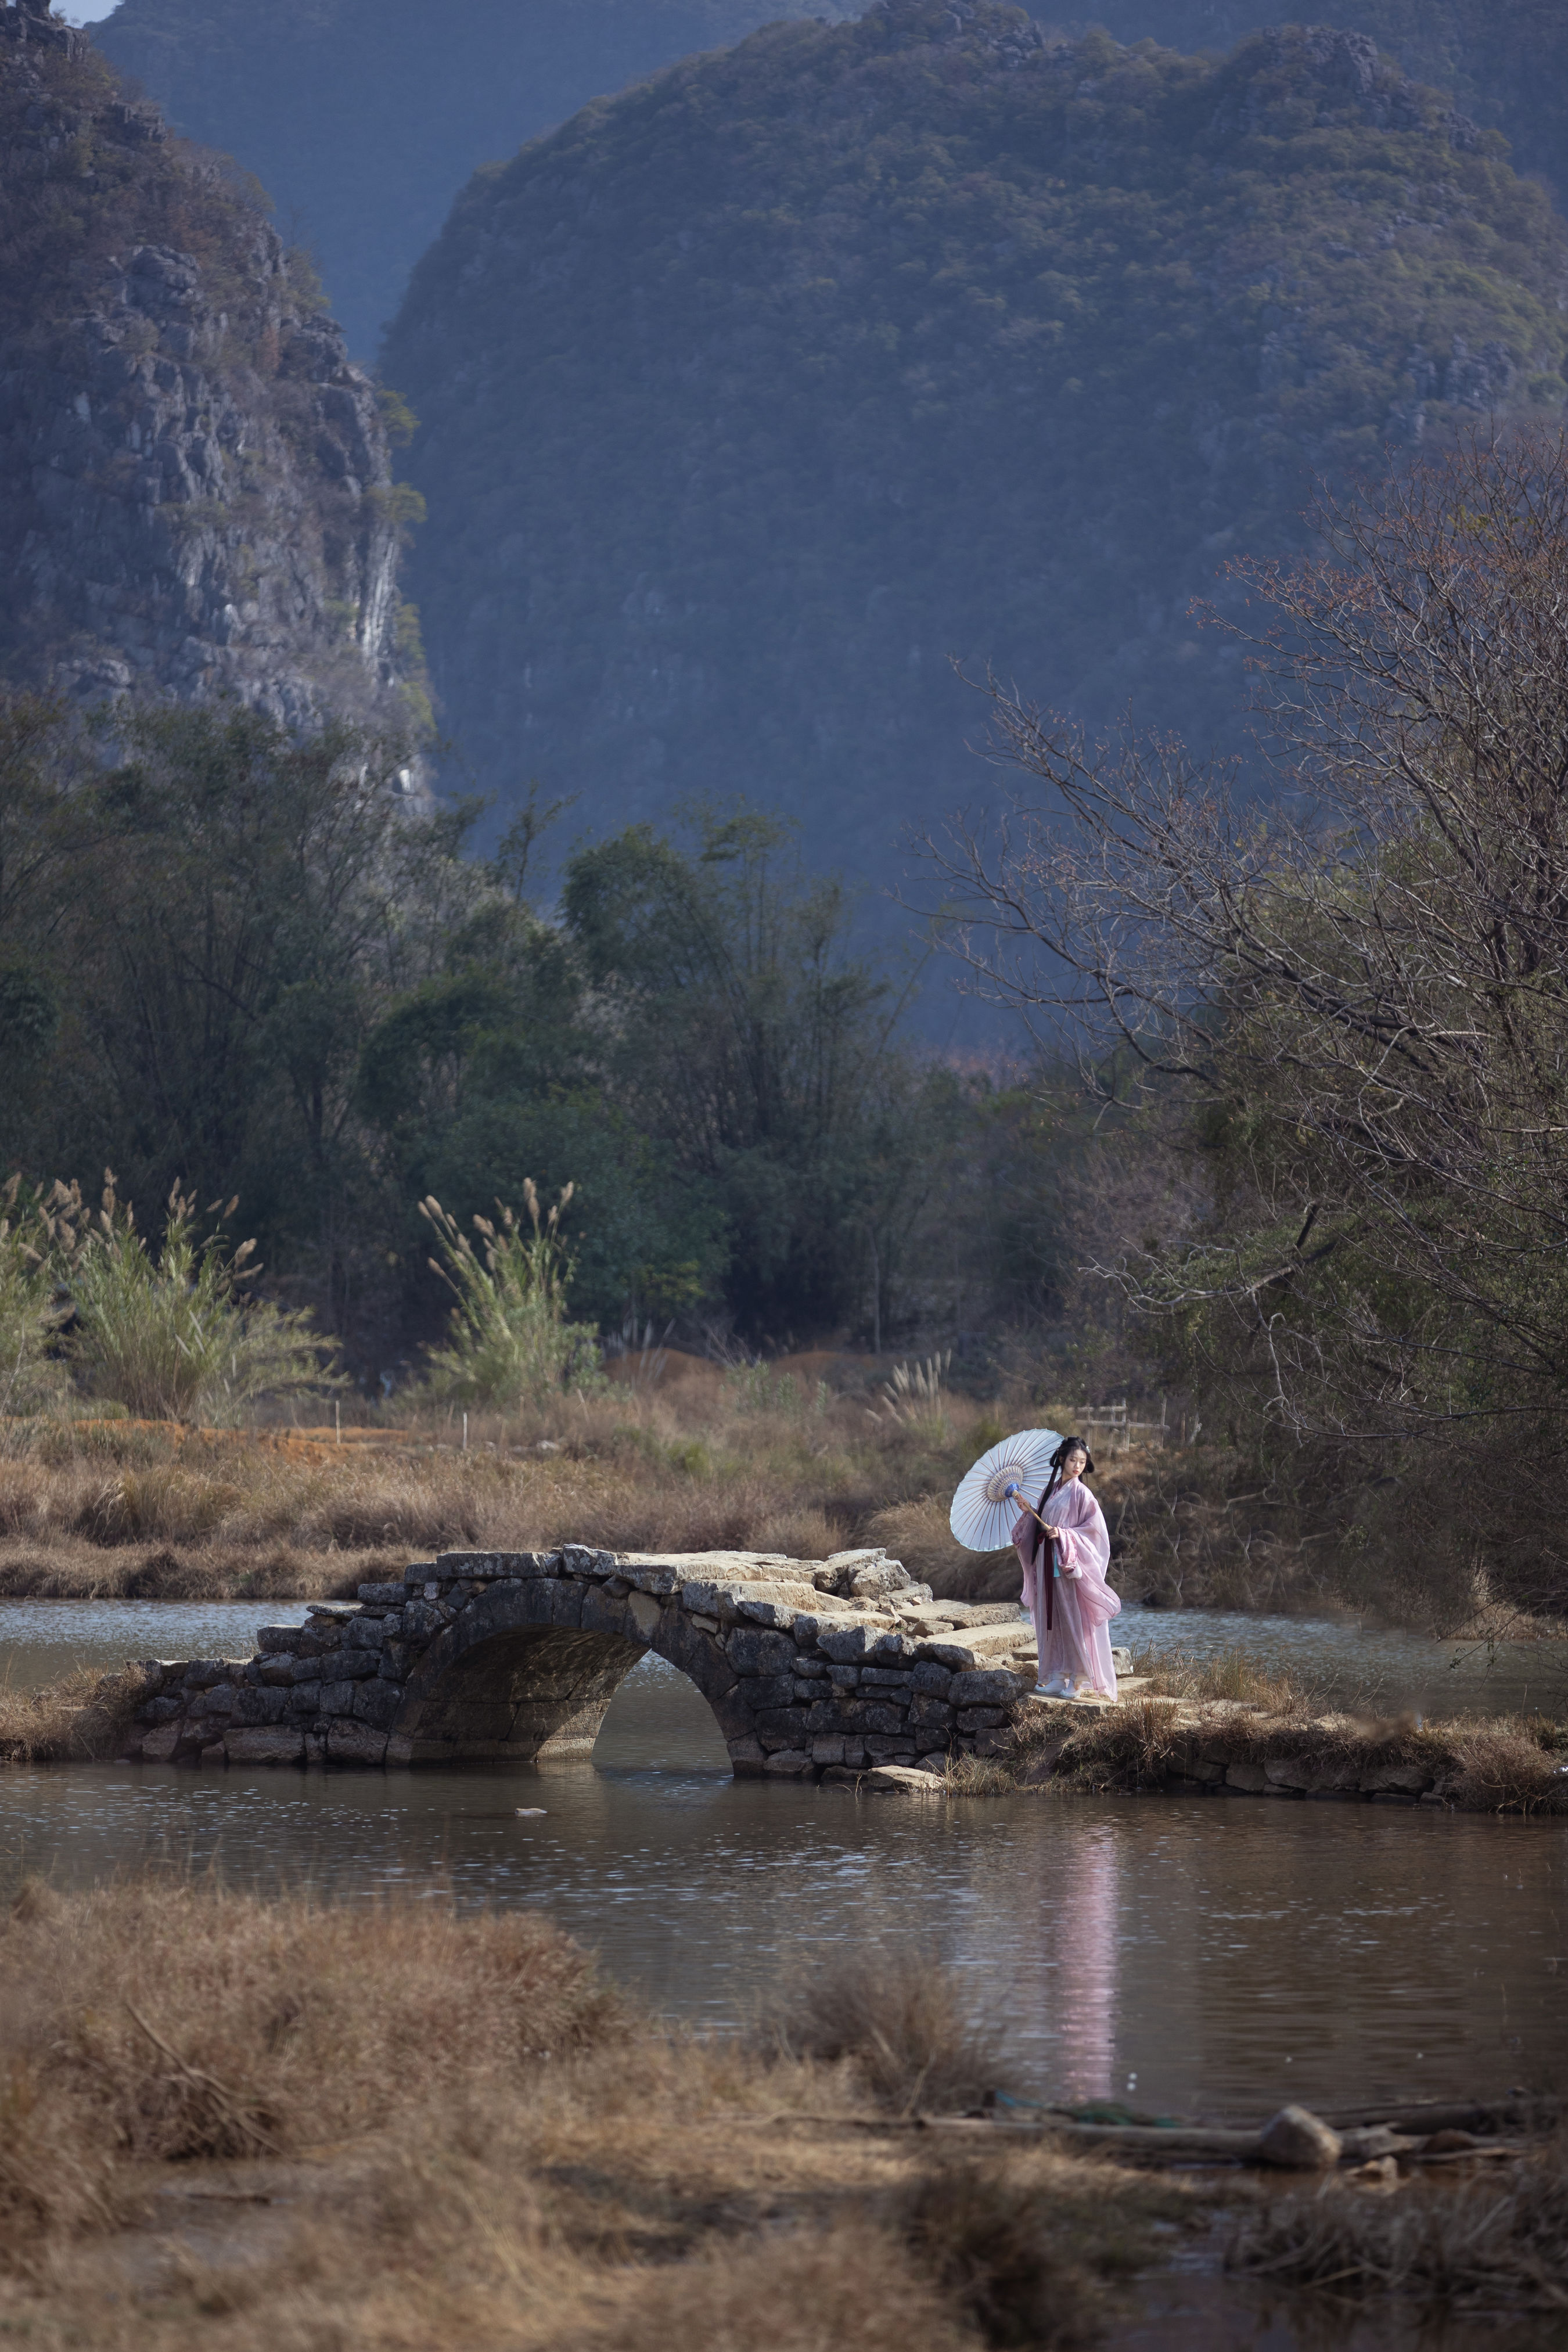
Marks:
<point>1053,1689</point>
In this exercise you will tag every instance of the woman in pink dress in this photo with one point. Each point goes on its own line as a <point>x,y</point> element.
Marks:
<point>1065,1551</point>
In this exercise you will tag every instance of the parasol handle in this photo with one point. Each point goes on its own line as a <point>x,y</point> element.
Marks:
<point>1015,1494</point>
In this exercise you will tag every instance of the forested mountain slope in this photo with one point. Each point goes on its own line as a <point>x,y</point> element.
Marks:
<point>196,493</point>
<point>753,394</point>
<point>364,118</point>
<point>1504,61</point>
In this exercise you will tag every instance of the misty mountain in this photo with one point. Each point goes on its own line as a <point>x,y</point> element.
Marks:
<point>362,119</point>
<point>1505,62</point>
<point>753,395</point>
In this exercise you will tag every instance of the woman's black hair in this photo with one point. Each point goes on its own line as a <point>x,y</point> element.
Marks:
<point>1058,1462</point>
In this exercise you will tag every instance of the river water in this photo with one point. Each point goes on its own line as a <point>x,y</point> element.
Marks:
<point>1197,1956</point>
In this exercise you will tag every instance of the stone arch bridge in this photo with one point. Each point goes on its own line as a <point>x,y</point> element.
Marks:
<point>809,1666</point>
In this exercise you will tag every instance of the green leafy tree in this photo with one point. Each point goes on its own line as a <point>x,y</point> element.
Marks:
<point>50,827</point>
<point>648,1238</point>
<point>746,1033</point>
<point>489,1075</point>
<point>199,931</point>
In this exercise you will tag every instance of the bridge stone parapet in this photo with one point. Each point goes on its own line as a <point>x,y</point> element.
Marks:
<point>810,1667</point>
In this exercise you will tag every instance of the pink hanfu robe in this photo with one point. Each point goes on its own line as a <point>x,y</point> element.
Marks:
<point>1076,1640</point>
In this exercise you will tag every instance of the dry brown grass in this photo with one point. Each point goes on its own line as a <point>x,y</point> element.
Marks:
<point>1171,1673</point>
<point>1025,2279</point>
<point>919,1534</point>
<point>83,1717</point>
<point>800,2290</point>
<point>1228,1711</point>
<point>1506,1768</point>
<point>907,2026</point>
<point>1496,2239</point>
<point>680,1454</point>
<point>388,2129</point>
<point>698,1462</point>
<point>177,2021</point>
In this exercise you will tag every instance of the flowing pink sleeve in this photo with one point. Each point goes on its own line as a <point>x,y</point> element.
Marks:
<point>1086,1550</point>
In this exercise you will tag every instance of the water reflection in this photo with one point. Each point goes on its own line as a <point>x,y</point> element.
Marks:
<point>1217,1951</point>
<point>1087,1920</point>
<point>1355,1664</point>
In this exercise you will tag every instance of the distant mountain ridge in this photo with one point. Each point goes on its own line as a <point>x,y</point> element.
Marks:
<point>362,119</point>
<point>752,395</point>
<point>1505,62</point>
<point>195,488</point>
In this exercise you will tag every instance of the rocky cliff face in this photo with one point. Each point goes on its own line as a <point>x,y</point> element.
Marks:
<point>195,490</point>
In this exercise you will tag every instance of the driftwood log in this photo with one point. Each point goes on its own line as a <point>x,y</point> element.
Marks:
<point>1363,2132</point>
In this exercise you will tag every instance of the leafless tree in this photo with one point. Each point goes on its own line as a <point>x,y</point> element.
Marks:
<point>1363,979</point>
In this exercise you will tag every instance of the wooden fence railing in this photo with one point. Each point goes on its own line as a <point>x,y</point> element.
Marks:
<point>1115,1429</point>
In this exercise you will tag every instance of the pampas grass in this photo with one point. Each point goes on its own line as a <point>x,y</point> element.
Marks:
<point>509,1340</point>
<point>174,1337</point>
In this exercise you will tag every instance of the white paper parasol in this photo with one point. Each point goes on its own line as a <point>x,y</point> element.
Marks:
<point>984,1509</point>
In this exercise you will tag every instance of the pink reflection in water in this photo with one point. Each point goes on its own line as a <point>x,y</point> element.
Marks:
<point>1084,1982</point>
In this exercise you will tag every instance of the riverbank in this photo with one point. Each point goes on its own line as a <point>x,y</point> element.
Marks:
<point>1224,1730</point>
<point>294,2124</point>
<point>809,1456</point>
<point>762,1459</point>
<point>298,2126</point>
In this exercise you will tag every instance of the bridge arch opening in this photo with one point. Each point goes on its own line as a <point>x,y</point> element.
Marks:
<point>503,1682</point>
<point>659,1721</point>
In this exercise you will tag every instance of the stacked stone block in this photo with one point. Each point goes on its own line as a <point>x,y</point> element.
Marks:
<point>329,1690</point>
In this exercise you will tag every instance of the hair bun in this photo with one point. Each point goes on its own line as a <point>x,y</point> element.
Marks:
<point>1069,1446</point>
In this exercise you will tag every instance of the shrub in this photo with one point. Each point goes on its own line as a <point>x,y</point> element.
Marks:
<point>30,1376</point>
<point>907,2025</point>
<point>510,1342</point>
<point>180,2022</point>
<point>758,1392</point>
<point>1503,1768</point>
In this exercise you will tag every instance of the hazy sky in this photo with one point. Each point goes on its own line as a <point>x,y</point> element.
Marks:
<point>87,11</point>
